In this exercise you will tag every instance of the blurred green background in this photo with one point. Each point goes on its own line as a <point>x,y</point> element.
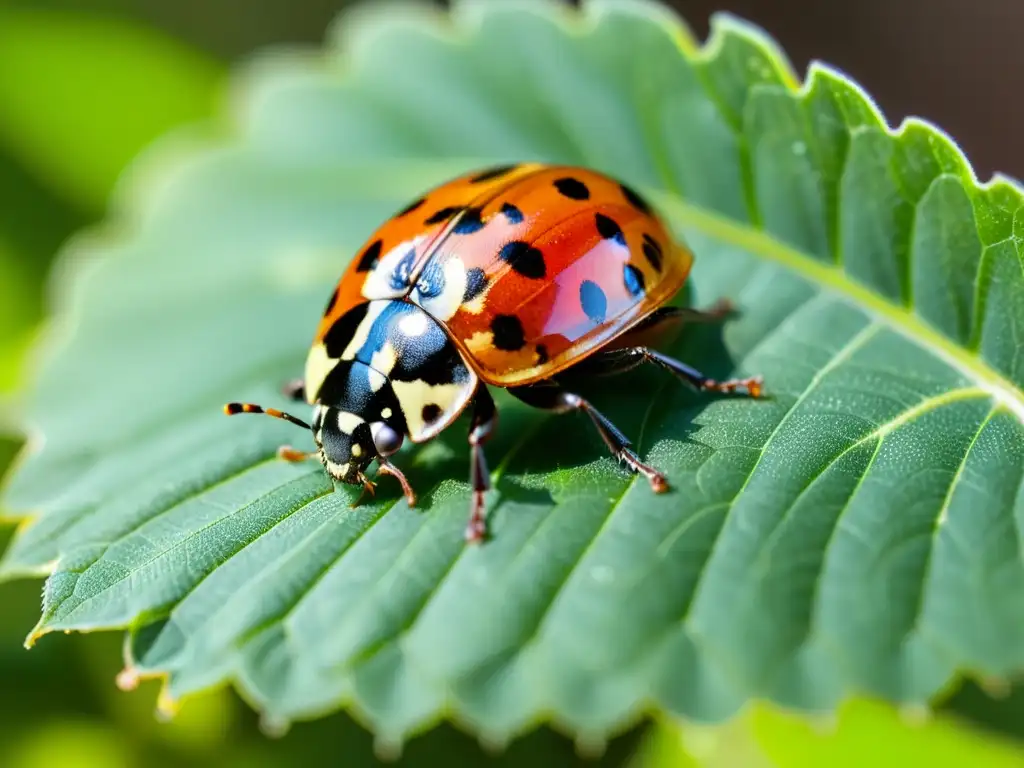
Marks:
<point>86,84</point>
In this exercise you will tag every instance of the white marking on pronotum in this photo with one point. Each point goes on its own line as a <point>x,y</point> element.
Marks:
<point>318,365</point>
<point>357,450</point>
<point>386,413</point>
<point>384,359</point>
<point>414,324</point>
<point>377,380</point>
<point>362,331</point>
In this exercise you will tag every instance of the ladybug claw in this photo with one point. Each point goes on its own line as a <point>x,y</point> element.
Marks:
<point>659,484</point>
<point>368,487</point>
<point>752,386</point>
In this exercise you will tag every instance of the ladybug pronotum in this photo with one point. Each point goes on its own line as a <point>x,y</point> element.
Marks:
<point>522,277</point>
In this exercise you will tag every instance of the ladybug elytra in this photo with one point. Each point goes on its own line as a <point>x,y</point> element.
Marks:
<point>518,277</point>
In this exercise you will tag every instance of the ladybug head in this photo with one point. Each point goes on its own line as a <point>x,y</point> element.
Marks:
<point>347,443</point>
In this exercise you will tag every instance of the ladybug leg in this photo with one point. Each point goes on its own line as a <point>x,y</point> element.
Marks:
<point>295,390</point>
<point>552,397</point>
<point>387,468</point>
<point>620,360</point>
<point>287,453</point>
<point>485,419</point>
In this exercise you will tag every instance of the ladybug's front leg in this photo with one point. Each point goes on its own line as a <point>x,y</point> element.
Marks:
<point>485,419</point>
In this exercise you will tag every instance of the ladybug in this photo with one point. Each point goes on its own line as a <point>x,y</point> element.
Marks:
<point>520,277</point>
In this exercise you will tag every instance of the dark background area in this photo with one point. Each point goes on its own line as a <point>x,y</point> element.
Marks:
<point>958,64</point>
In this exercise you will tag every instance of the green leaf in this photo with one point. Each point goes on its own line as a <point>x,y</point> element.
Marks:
<point>81,94</point>
<point>856,531</point>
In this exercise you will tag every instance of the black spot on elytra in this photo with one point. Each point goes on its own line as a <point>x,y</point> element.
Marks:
<point>609,229</point>
<point>593,301</point>
<point>653,252</point>
<point>476,281</point>
<point>513,214</point>
<point>369,258</point>
<point>572,188</point>
<point>542,354</point>
<point>431,412</point>
<point>524,259</point>
<point>492,173</point>
<point>443,215</point>
<point>330,304</point>
<point>633,279</point>
<point>469,222</point>
<point>344,328</point>
<point>508,332</point>
<point>411,207</point>
<point>634,199</point>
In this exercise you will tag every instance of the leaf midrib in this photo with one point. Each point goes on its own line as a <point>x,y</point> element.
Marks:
<point>760,243</point>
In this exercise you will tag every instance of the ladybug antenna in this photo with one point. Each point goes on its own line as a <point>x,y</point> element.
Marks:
<point>232,408</point>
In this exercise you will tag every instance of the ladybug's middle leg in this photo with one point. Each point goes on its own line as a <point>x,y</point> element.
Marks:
<point>485,419</point>
<point>552,397</point>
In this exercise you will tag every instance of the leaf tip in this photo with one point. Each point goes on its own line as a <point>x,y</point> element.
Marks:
<point>387,748</point>
<point>167,707</point>
<point>127,679</point>
<point>37,632</point>
<point>590,746</point>
<point>725,25</point>
<point>274,726</point>
<point>995,687</point>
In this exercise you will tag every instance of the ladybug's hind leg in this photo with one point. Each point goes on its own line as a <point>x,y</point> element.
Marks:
<point>552,397</point>
<point>621,360</point>
<point>485,419</point>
